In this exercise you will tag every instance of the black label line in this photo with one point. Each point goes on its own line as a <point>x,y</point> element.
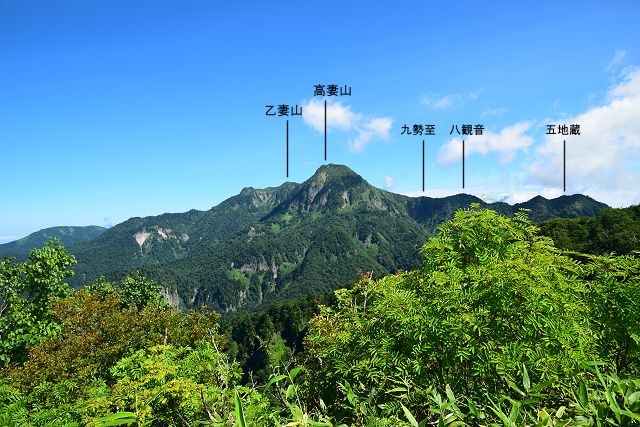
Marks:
<point>325,130</point>
<point>463,163</point>
<point>423,165</point>
<point>287,149</point>
<point>564,165</point>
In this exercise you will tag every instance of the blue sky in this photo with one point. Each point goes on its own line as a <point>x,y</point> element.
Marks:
<point>113,109</point>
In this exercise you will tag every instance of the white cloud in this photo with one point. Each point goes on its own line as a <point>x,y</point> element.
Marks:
<point>107,222</point>
<point>526,193</point>
<point>376,128</point>
<point>388,182</point>
<point>618,57</point>
<point>443,102</point>
<point>438,102</point>
<point>433,192</point>
<point>341,117</point>
<point>380,126</point>
<point>338,116</point>
<point>507,143</point>
<point>604,160</point>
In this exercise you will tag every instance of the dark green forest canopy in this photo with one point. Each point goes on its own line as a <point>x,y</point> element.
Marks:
<point>610,231</point>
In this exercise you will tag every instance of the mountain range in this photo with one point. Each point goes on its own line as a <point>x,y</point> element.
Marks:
<point>264,245</point>
<point>69,236</point>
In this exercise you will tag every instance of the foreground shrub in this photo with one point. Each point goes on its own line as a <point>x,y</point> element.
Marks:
<point>492,300</point>
<point>95,332</point>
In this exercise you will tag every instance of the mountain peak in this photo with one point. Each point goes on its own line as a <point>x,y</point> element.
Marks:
<point>335,186</point>
<point>332,173</point>
<point>335,169</point>
<point>269,196</point>
<point>565,206</point>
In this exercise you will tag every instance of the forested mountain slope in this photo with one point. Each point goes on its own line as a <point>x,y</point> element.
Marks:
<point>265,245</point>
<point>611,230</point>
<point>69,236</point>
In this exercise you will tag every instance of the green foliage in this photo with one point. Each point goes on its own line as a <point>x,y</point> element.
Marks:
<point>164,383</point>
<point>262,340</point>
<point>492,297</point>
<point>25,291</point>
<point>614,301</point>
<point>289,393</point>
<point>498,328</point>
<point>611,230</point>
<point>592,400</point>
<point>239,410</point>
<point>96,331</point>
<point>118,419</point>
<point>158,386</point>
<point>135,291</point>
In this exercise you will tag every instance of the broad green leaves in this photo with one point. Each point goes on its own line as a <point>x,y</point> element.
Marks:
<point>493,302</point>
<point>25,291</point>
